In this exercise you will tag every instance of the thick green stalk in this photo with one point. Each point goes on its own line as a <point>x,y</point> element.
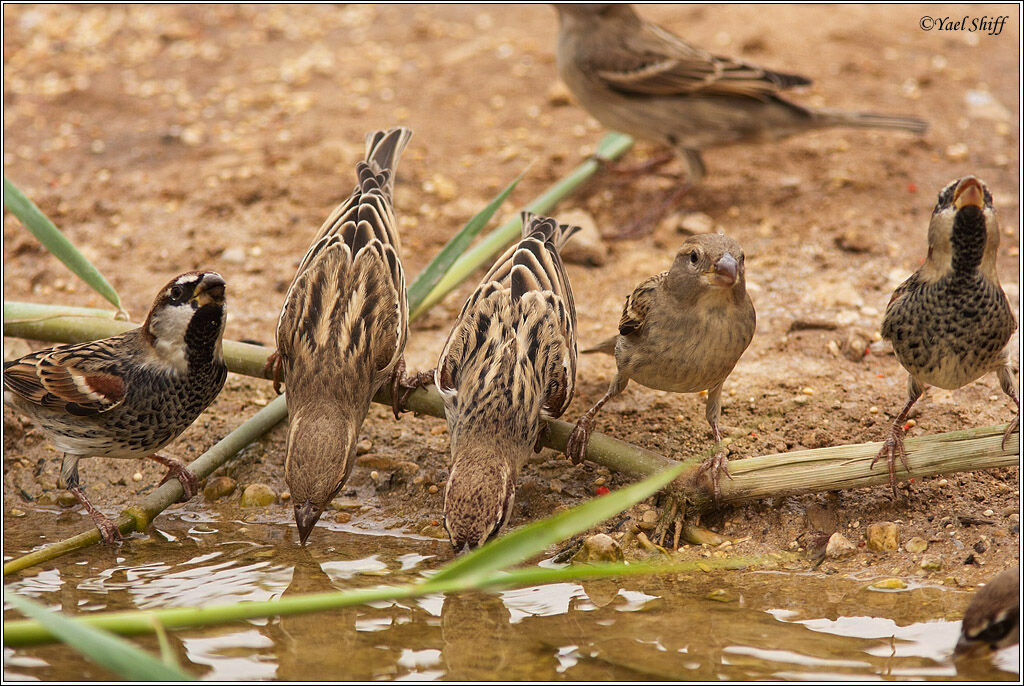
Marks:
<point>136,622</point>
<point>611,147</point>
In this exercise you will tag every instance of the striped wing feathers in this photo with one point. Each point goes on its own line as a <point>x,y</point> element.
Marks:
<point>525,297</point>
<point>79,379</point>
<point>638,304</point>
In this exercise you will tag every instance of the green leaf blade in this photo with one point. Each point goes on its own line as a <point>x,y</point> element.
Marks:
<point>105,649</point>
<point>56,242</point>
<point>453,249</point>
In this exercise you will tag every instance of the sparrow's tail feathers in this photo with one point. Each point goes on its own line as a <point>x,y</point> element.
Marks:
<point>869,120</point>
<point>606,346</point>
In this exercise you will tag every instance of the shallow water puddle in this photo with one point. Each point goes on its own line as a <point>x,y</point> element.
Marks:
<point>771,625</point>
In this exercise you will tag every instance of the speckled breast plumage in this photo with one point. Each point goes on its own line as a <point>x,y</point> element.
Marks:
<point>159,404</point>
<point>952,331</point>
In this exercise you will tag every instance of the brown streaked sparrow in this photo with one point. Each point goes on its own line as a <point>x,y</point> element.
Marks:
<point>342,331</point>
<point>509,363</point>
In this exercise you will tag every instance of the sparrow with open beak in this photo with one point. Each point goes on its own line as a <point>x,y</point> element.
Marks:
<point>682,331</point>
<point>950,322</point>
<point>508,364</point>
<point>342,332</point>
<point>129,395</point>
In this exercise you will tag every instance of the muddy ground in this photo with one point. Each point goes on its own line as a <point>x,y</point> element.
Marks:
<point>162,139</point>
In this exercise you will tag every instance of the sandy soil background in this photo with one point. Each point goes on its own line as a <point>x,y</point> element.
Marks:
<point>162,139</point>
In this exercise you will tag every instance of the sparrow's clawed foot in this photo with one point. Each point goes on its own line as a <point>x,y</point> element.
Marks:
<point>176,470</point>
<point>1014,426</point>
<point>402,386</point>
<point>712,469</point>
<point>892,447</point>
<point>576,446</point>
<point>672,513</point>
<point>272,370</point>
<point>108,530</point>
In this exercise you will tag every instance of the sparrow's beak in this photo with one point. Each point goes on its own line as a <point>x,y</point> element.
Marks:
<point>725,270</point>
<point>969,192</point>
<point>964,647</point>
<point>306,516</point>
<point>209,291</point>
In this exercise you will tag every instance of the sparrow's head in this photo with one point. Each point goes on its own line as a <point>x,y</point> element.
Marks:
<point>963,234</point>
<point>187,319</point>
<point>992,620</point>
<point>318,460</point>
<point>478,500</point>
<point>709,264</point>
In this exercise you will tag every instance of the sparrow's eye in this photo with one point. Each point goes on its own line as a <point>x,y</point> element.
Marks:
<point>694,256</point>
<point>176,293</point>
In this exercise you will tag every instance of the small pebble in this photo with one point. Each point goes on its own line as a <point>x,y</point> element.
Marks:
<point>839,546</point>
<point>648,520</point>
<point>286,496</point>
<point>957,152</point>
<point>15,512</point>
<point>916,545</point>
<point>66,499</point>
<point>721,595</point>
<point>364,446</point>
<point>587,247</point>
<point>873,410</point>
<point>988,513</point>
<point>342,517</point>
<point>258,495</point>
<point>218,487</point>
<point>432,489</point>
<point>695,222</point>
<point>598,548</point>
<point>233,255</point>
<point>883,536</point>
<point>599,481</point>
<point>892,584</point>
<point>137,477</point>
<point>943,482</point>
<point>930,563</point>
